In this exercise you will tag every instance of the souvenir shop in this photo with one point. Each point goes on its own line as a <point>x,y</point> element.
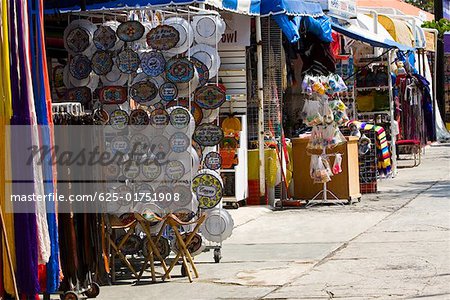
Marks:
<point>147,86</point>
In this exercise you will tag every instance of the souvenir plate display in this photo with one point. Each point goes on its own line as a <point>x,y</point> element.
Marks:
<point>128,61</point>
<point>153,63</point>
<point>163,37</point>
<point>81,94</point>
<point>124,193</point>
<point>118,119</point>
<point>145,191</point>
<point>179,70</point>
<point>139,119</point>
<point>143,91</point>
<point>208,189</point>
<point>163,195</point>
<point>168,91</point>
<point>139,144</point>
<point>179,142</point>
<point>159,118</point>
<point>208,135</point>
<point>112,95</point>
<point>130,169</point>
<point>151,170</point>
<point>102,62</point>
<point>130,31</point>
<point>202,70</point>
<point>100,117</point>
<point>80,66</point>
<point>209,97</point>
<point>77,40</point>
<point>120,144</point>
<point>104,38</point>
<point>160,147</point>
<point>184,195</point>
<point>175,170</point>
<point>218,225</point>
<point>184,214</point>
<point>213,161</point>
<point>180,117</point>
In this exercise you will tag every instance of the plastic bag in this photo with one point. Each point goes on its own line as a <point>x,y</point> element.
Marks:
<point>311,113</point>
<point>328,116</point>
<point>337,164</point>
<point>319,173</point>
<point>316,139</point>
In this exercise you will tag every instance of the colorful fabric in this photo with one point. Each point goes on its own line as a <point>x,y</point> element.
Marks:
<point>384,155</point>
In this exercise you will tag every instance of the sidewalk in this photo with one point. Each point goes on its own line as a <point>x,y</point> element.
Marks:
<point>395,244</point>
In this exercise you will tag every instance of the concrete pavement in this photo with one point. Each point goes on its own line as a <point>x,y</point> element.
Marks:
<point>395,244</point>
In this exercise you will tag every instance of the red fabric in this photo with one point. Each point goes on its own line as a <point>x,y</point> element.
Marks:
<point>407,142</point>
<point>42,275</point>
<point>336,44</point>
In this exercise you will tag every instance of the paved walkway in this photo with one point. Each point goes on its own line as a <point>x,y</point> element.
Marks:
<point>395,244</point>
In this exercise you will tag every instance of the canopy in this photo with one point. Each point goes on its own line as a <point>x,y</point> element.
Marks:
<point>248,7</point>
<point>360,34</point>
<point>398,29</point>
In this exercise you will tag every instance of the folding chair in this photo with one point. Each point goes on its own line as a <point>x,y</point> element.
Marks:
<point>183,252</point>
<point>152,249</point>
<point>114,223</point>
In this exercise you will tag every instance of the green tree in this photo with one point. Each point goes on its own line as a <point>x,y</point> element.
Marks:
<point>426,5</point>
<point>443,26</point>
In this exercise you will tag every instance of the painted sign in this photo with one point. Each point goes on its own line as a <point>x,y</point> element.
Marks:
<point>237,32</point>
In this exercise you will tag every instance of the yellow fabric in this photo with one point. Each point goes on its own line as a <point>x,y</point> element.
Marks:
<point>5,163</point>
<point>429,38</point>
<point>398,29</point>
<point>270,162</point>
<point>290,165</point>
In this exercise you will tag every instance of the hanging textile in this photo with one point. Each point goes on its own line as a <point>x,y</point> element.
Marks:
<point>383,153</point>
<point>5,164</point>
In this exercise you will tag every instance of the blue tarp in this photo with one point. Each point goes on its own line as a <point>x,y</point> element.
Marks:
<point>319,26</point>
<point>368,37</point>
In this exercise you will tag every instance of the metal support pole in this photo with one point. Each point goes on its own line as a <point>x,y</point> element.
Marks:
<point>392,115</point>
<point>262,179</point>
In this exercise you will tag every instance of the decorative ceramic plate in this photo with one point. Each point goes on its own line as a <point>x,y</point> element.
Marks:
<point>163,37</point>
<point>143,91</point>
<point>208,29</point>
<point>120,144</point>
<point>150,170</point>
<point>202,70</point>
<point>185,32</point>
<point>132,246</point>
<point>112,95</point>
<point>196,111</point>
<point>194,247</point>
<point>185,196</point>
<point>160,147</point>
<point>118,119</point>
<point>168,91</point>
<point>159,118</point>
<point>180,117</point>
<point>104,38</point>
<point>179,70</point>
<point>208,190</point>
<point>128,61</point>
<point>139,144</point>
<point>207,55</point>
<point>100,116</point>
<point>80,67</point>
<point>209,97</point>
<point>162,245</point>
<point>81,94</point>
<point>162,193</point>
<point>124,193</point>
<point>130,169</point>
<point>184,214</point>
<point>153,63</point>
<point>175,170</point>
<point>111,171</point>
<point>139,119</point>
<point>130,31</point>
<point>77,40</point>
<point>179,142</point>
<point>114,78</point>
<point>102,62</point>
<point>213,160</point>
<point>218,225</point>
<point>208,135</point>
<point>145,193</point>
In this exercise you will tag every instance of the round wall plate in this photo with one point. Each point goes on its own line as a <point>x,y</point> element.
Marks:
<point>179,70</point>
<point>208,189</point>
<point>130,31</point>
<point>163,37</point>
<point>213,160</point>
<point>209,97</point>
<point>208,135</point>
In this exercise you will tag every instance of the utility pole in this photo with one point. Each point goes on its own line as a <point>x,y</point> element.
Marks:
<point>440,79</point>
